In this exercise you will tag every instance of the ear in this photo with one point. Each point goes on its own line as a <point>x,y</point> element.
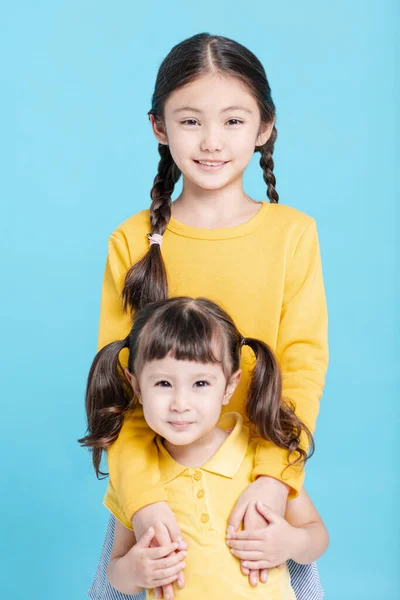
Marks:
<point>265,133</point>
<point>231,386</point>
<point>134,384</point>
<point>159,130</point>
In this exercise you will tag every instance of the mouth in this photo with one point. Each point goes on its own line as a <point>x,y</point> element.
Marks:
<point>211,165</point>
<point>180,425</point>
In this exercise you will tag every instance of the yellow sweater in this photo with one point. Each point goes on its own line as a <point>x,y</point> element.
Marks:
<point>266,273</point>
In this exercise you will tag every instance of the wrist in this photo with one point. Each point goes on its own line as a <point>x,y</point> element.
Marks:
<point>121,577</point>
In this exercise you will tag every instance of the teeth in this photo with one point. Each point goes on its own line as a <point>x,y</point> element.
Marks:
<point>210,164</point>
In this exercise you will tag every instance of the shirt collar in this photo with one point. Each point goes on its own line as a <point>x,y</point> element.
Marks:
<point>227,459</point>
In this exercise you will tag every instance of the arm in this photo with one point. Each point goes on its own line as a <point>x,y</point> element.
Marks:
<point>132,459</point>
<point>300,536</point>
<point>302,349</point>
<point>135,565</point>
<point>310,537</point>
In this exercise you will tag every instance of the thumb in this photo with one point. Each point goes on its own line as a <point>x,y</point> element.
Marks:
<point>146,538</point>
<point>176,535</point>
<point>237,516</point>
<point>267,512</point>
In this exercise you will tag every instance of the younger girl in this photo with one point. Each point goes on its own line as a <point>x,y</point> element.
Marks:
<point>183,366</point>
<point>211,111</point>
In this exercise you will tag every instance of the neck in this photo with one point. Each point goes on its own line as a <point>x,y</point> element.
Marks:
<point>213,209</point>
<point>198,452</point>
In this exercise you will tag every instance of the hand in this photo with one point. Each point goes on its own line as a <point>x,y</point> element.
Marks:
<point>166,530</point>
<point>151,567</point>
<point>273,493</point>
<point>264,548</point>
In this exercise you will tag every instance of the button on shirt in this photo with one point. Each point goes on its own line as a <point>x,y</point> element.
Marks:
<point>202,499</point>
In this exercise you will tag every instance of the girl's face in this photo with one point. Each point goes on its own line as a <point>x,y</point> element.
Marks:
<point>182,400</point>
<point>213,119</point>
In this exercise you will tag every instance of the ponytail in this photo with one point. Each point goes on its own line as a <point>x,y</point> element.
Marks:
<point>267,165</point>
<point>274,419</point>
<point>108,395</point>
<point>146,281</point>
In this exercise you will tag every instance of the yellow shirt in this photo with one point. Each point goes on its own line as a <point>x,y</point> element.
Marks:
<point>267,274</point>
<point>202,499</point>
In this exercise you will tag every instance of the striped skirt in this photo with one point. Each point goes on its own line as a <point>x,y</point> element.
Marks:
<point>304,578</point>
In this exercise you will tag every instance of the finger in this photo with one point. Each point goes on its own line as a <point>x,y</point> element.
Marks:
<point>146,538</point>
<point>254,565</point>
<point>253,519</point>
<point>168,571</point>
<point>174,531</point>
<point>170,561</point>
<point>246,555</point>
<point>257,534</point>
<point>236,516</point>
<point>245,544</point>
<point>270,515</point>
<point>181,580</point>
<point>162,551</point>
<point>182,545</point>
<point>253,577</point>
<point>158,592</point>
<point>263,575</point>
<point>166,588</point>
<point>162,534</point>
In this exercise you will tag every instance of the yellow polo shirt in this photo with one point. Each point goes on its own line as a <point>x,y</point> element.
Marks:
<point>202,499</point>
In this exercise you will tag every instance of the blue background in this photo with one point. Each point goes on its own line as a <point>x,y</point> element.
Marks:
<point>80,157</point>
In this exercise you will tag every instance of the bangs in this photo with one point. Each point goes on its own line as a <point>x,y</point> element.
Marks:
<point>187,334</point>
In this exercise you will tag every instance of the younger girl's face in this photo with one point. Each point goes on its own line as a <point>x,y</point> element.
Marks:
<point>182,400</point>
<point>213,119</point>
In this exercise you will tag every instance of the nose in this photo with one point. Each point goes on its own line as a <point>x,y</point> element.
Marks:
<point>212,139</point>
<point>180,401</point>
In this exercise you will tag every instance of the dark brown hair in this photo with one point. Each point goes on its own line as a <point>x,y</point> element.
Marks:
<point>146,281</point>
<point>188,329</point>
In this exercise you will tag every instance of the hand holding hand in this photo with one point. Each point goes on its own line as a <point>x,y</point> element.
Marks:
<point>151,567</point>
<point>264,548</point>
<point>274,494</point>
<point>160,517</point>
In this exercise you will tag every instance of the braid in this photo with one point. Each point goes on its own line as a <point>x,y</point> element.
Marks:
<point>146,281</point>
<point>267,165</point>
<point>161,192</point>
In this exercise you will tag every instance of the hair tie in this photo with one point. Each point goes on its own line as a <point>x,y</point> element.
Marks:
<point>155,238</point>
<point>126,341</point>
<point>243,342</point>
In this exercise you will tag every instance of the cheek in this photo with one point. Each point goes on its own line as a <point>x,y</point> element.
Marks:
<point>182,148</point>
<point>152,411</point>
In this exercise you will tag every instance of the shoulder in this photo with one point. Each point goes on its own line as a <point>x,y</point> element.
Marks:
<point>130,237</point>
<point>136,224</point>
<point>289,217</point>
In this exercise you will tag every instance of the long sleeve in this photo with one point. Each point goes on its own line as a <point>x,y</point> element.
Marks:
<point>132,458</point>
<point>302,349</point>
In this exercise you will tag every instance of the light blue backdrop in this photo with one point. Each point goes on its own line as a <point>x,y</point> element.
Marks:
<point>79,158</point>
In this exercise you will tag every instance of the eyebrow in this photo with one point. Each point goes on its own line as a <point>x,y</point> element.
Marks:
<point>197,110</point>
<point>196,376</point>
